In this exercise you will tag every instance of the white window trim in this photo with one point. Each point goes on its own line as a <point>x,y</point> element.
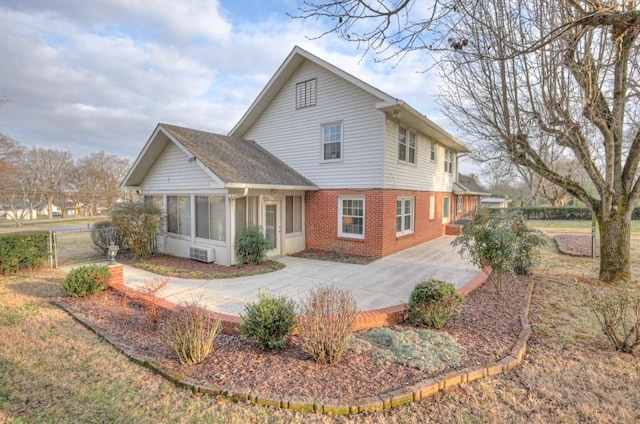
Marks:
<point>460,204</point>
<point>448,161</point>
<point>413,215</point>
<point>329,124</point>
<point>433,148</point>
<point>448,217</point>
<point>408,131</point>
<point>364,219</point>
<point>432,208</point>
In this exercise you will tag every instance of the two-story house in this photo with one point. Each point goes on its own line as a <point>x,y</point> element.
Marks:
<point>320,160</point>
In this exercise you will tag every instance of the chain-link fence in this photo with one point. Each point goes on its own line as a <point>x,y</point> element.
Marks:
<point>77,247</point>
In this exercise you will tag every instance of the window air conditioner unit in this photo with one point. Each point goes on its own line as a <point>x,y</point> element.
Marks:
<point>202,254</point>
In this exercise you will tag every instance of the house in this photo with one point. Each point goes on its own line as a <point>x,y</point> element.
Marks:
<point>495,203</point>
<point>468,193</point>
<point>320,160</point>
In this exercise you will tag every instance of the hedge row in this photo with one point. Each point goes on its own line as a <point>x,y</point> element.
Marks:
<point>563,213</point>
<point>23,250</point>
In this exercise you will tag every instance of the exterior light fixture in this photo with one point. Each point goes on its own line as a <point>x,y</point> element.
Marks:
<point>192,159</point>
<point>113,251</point>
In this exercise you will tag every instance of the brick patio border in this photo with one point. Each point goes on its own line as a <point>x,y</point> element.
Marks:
<point>388,400</point>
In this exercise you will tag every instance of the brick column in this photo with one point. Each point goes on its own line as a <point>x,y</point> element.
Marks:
<point>116,275</point>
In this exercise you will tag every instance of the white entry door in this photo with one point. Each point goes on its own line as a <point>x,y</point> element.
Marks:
<point>272,230</point>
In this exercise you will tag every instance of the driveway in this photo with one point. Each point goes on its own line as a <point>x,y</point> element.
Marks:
<point>382,283</point>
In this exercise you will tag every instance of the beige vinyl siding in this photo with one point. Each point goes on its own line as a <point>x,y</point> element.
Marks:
<point>173,173</point>
<point>294,135</point>
<point>425,175</point>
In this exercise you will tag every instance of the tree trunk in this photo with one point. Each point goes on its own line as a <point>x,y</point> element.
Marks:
<point>615,242</point>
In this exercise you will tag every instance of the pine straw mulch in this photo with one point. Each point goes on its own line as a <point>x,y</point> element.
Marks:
<point>486,329</point>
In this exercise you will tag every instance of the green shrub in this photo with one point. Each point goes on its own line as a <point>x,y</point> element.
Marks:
<point>191,332</point>
<point>325,323</point>
<point>617,309</point>
<point>251,245</point>
<point>85,280</point>
<point>137,223</point>
<point>500,245</point>
<point>103,234</point>
<point>24,250</point>
<point>433,303</point>
<point>269,321</point>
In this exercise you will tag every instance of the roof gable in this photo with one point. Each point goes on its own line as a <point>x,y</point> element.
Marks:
<point>235,161</point>
<point>387,103</point>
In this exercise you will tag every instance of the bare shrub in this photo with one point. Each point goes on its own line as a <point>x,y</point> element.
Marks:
<point>191,332</point>
<point>150,300</point>
<point>340,250</point>
<point>325,323</point>
<point>617,309</point>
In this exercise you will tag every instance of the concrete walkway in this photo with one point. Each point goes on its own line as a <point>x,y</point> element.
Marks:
<point>382,283</point>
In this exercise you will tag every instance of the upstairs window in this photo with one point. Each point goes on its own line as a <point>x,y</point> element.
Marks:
<point>332,142</point>
<point>306,93</point>
<point>433,151</point>
<point>406,146</point>
<point>448,161</point>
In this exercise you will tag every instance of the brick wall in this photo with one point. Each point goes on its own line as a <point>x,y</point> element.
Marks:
<point>380,221</point>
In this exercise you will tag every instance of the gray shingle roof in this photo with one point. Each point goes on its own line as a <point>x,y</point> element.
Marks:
<point>236,160</point>
<point>467,184</point>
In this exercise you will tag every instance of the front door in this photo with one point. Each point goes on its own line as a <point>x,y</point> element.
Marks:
<point>272,227</point>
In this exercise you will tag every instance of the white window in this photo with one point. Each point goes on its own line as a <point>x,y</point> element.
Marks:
<point>332,141</point>
<point>432,207</point>
<point>246,212</point>
<point>445,209</point>
<point>306,94</point>
<point>433,151</point>
<point>293,214</point>
<point>448,161</point>
<point>351,216</point>
<point>406,145</point>
<point>211,217</point>
<point>404,215</point>
<point>179,215</point>
<point>460,201</point>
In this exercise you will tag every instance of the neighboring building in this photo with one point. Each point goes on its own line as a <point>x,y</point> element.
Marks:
<point>468,194</point>
<point>495,203</point>
<point>334,161</point>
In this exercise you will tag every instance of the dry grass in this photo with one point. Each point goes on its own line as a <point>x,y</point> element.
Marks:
<point>53,370</point>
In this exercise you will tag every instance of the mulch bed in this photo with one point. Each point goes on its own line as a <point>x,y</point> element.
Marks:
<point>576,244</point>
<point>487,328</point>
<point>333,256</point>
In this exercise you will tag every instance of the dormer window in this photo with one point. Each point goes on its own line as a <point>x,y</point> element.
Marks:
<point>306,93</point>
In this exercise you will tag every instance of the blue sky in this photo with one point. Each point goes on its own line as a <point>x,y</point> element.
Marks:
<point>99,75</point>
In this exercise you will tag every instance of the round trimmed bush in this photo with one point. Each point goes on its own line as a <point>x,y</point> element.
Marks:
<point>85,280</point>
<point>433,303</point>
<point>269,321</point>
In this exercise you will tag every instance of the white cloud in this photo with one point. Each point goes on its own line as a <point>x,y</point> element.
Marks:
<point>90,76</point>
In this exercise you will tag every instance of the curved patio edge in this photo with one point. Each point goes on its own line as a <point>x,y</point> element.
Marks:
<point>387,400</point>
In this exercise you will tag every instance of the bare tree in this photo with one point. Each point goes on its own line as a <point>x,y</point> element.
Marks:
<point>18,190</point>
<point>575,89</point>
<point>97,179</point>
<point>52,170</point>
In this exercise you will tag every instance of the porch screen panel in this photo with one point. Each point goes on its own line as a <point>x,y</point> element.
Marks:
<point>293,214</point>
<point>252,210</point>
<point>184,215</point>
<point>218,218</point>
<point>241,214</point>
<point>202,217</point>
<point>172,214</point>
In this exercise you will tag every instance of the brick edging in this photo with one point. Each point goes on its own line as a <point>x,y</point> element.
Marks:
<point>388,400</point>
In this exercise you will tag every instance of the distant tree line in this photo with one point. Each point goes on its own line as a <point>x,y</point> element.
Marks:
<point>50,178</point>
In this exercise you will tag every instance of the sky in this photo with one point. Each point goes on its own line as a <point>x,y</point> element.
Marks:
<point>87,76</point>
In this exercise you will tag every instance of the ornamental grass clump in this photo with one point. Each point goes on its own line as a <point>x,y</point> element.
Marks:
<point>85,280</point>
<point>269,321</point>
<point>191,332</point>
<point>433,303</point>
<point>617,309</point>
<point>325,323</point>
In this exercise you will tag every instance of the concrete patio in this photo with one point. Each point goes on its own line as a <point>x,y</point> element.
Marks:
<point>380,284</point>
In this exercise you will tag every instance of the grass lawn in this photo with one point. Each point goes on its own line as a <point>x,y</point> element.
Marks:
<point>556,226</point>
<point>54,370</point>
